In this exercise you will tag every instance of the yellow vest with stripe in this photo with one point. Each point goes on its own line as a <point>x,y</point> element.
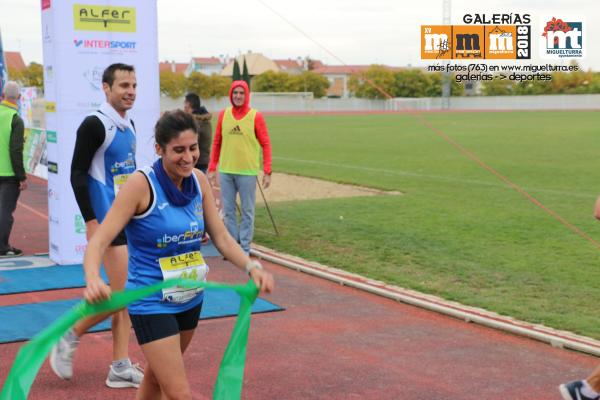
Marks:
<point>6,117</point>
<point>240,150</point>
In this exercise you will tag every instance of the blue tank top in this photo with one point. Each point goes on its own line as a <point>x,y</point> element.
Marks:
<point>163,243</point>
<point>112,164</point>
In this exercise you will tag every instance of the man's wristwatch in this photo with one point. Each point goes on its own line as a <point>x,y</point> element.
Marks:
<point>253,264</point>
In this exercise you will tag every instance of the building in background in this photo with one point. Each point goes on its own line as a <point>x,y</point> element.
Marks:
<point>298,65</point>
<point>256,63</point>
<point>178,68</point>
<point>206,65</point>
<point>14,61</point>
<point>338,76</point>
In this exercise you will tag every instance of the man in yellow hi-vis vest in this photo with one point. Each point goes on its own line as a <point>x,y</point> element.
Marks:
<point>12,171</point>
<point>240,134</point>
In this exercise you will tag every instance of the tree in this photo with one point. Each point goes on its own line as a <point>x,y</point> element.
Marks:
<point>574,82</point>
<point>32,75</point>
<point>533,87</point>
<point>172,84</point>
<point>435,81</point>
<point>414,83</point>
<point>208,86</point>
<point>219,85</point>
<point>498,87</point>
<point>236,71</point>
<point>310,82</point>
<point>200,84</point>
<point>374,83</point>
<point>245,76</point>
<point>594,84</point>
<point>15,75</point>
<point>273,82</point>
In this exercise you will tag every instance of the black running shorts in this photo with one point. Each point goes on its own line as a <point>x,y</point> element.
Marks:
<point>151,327</point>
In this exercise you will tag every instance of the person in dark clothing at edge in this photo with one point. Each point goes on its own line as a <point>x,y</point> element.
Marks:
<point>12,173</point>
<point>588,388</point>
<point>202,117</point>
<point>103,159</point>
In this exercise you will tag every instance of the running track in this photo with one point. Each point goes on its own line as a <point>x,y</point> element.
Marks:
<point>332,342</point>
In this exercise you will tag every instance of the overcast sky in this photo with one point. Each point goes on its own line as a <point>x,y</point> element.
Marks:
<point>354,31</point>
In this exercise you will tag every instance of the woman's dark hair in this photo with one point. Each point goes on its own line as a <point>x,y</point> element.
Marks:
<point>194,101</point>
<point>171,124</point>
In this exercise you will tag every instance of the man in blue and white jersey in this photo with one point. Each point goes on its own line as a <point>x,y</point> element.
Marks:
<point>104,157</point>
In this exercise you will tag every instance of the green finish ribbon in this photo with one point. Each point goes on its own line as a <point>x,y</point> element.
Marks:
<point>31,356</point>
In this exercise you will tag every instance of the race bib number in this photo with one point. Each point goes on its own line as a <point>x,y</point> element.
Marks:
<point>119,180</point>
<point>185,266</point>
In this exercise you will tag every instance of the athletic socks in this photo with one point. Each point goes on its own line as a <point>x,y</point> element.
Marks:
<point>121,365</point>
<point>118,365</point>
<point>71,337</point>
<point>587,390</point>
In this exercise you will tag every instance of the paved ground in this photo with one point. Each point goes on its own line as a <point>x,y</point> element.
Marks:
<point>331,342</point>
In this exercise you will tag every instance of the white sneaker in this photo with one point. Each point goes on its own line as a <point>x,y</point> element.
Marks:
<point>61,358</point>
<point>130,377</point>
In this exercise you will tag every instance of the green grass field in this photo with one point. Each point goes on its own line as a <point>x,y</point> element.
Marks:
<point>458,231</point>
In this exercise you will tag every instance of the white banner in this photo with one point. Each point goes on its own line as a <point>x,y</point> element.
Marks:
<point>80,39</point>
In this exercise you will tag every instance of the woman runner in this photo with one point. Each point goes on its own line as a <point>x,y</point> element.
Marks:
<point>165,210</point>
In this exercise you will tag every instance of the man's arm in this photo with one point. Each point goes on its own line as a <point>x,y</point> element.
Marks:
<point>90,137</point>
<point>262,135</point>
<point>216,147</point>
<point>17,137</point>
<point>215,153</point>
<point>597,209</point>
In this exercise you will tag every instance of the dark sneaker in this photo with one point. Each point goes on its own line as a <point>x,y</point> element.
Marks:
<point>130,377</point>
<point>11,252</point>
<point>572,391</point>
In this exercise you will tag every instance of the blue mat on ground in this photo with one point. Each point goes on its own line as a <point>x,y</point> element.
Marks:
<point>43,278</point>
<point>56,277</point>
<point>23,321</point>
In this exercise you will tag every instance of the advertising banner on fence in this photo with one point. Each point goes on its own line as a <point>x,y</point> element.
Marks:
<point>80,39</point>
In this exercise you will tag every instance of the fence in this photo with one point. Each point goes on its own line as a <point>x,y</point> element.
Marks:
<point>295,103</point>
